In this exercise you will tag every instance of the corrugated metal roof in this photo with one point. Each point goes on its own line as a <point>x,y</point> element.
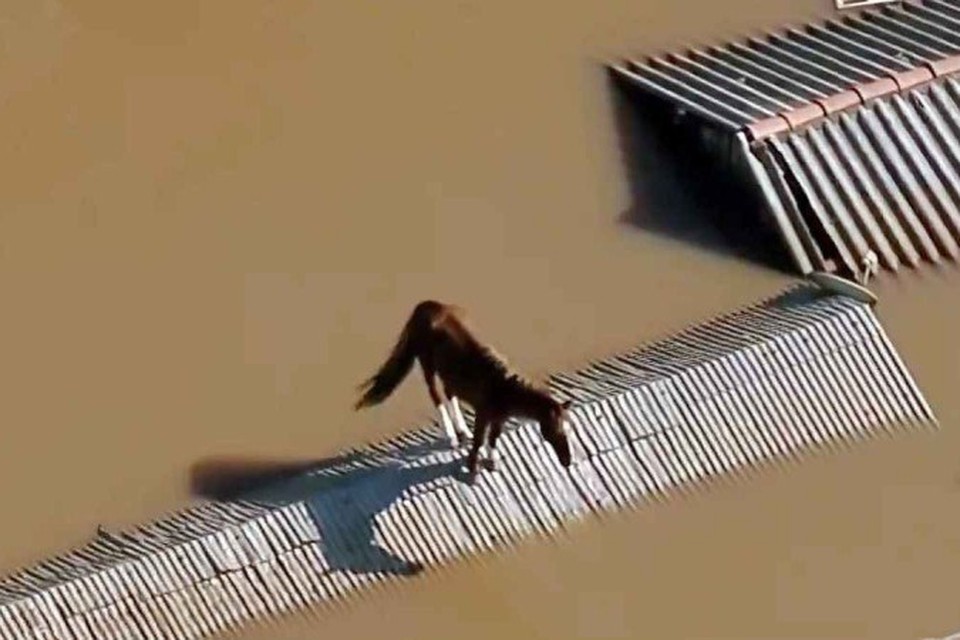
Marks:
<point>786,78</point>
<point>849,128</point>
<point>800,371</point>
<point>884,177</point>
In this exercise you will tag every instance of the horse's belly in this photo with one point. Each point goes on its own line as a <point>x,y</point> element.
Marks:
<point>467,388</point>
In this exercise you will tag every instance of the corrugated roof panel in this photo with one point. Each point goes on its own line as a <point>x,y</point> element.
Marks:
<point>804,369</point>
<point>807,72</point>
<point>884,178</point>
<point>854,125</point>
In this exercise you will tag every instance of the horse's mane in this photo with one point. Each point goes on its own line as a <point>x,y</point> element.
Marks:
<point>503,367</point>
<point>497,361</point>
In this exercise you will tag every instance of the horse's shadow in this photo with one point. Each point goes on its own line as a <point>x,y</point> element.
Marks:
<point>344,505</point>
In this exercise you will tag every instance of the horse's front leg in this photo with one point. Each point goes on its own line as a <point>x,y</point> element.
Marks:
<point>492,457</point>
<point>479,435</point>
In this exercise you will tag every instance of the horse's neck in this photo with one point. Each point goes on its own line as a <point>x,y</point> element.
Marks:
<point>515,394</point>
<point>523,399</point>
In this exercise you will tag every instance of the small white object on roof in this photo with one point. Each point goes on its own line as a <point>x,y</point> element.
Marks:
<point>856,4</point>
<point>842,286</point>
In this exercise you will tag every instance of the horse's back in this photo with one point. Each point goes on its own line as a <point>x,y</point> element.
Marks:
<point>428,310</point>
<point>471,369</point>
<point>462,358</point>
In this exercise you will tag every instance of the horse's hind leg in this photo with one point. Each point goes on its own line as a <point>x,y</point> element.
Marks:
<point>439,401</point>
<point>461,425</point>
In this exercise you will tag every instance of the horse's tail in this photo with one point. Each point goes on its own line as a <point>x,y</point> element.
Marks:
<point>378,387</point>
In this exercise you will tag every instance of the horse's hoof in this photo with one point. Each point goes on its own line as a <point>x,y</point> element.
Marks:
<point>412,568</point>
<point>472,472</point>
<point>463,440</point>
<point>489,465</point>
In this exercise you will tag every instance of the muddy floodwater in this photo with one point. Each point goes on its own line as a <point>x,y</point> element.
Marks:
<point>215,217</point>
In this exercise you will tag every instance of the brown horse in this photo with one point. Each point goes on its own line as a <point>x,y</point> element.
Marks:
<point>437,336</point>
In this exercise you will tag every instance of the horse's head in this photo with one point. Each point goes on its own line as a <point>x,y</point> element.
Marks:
<point>553,431</point>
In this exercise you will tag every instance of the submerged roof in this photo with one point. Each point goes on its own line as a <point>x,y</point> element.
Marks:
<point>800,371</point>
<point>882,178</point>
<point>764,85</point>
<point>849,129</point>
